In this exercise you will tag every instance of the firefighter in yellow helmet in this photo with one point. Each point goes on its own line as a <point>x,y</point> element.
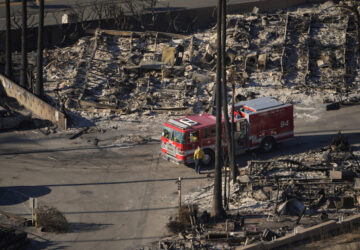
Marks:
<point>198,157</point>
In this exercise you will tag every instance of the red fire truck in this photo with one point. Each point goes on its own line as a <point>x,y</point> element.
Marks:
<point>260,122</point>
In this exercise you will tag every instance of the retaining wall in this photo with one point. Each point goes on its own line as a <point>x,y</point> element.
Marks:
<point>33,103</point>
<point>307,235</point>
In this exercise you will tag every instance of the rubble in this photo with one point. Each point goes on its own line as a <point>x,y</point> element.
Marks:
<point>302,56</point>
<point>14,116</point>
<point>11,238</point>
<point>278,197</point>
<point>292,180</point>
<point>12,235</point>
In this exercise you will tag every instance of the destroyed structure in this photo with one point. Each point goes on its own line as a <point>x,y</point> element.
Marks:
<point>12,235</point>
<point>303,56</point>
<point>308,52</point>
<point>277,198</point>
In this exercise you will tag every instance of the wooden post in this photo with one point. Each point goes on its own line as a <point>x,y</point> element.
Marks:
<point>228,195</point>
<point>179,191</point>
<point>234,170</point>
<point>131,38</point>
<point>33,206</point>
<point>225,188</point>
<point>155,45</point>
<point>277,195</point>
<point>191,48</point>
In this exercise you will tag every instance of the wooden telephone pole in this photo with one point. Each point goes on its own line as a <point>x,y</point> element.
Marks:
<point>217,207</point>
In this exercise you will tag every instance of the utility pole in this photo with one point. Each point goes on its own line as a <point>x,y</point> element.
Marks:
<point>39,86</point>
<point>8,65</point>
<point>179,192</point>
<point>23,75</point>
<point>217,208</point>
<point>224,90</point>
<point>227,157</point>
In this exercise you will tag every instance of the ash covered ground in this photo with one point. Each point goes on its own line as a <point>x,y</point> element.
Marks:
<point>304,56</point>
<point>134,81</point>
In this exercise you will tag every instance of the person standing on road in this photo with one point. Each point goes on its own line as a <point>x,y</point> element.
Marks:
<point>198,157</point>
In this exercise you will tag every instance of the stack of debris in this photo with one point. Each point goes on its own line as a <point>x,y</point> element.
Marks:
<point>11,235</point>
<point>121,74</point>
<point>197,231</point>
<point>272,198</point>
<point>315,178</point>
<point>289,55</point>
<point>325,179</point>
<point>9,117</point>
<point>11,238</point>
<point>327,50</point>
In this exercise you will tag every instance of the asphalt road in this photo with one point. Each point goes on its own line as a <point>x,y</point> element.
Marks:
<point>116,196</point>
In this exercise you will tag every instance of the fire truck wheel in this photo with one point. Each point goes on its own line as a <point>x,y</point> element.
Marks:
<point>267,144</point>
<point>209,157</point>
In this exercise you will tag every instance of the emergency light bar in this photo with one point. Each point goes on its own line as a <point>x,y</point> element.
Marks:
<point>178,124</point>
<point>188,122</point>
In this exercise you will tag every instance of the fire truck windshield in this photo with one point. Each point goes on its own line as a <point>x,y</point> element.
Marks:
<point>173,135</point>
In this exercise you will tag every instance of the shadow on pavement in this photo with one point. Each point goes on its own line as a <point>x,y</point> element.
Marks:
<point>112,239</point>
<point>87,227</point>
<point>20,194</point>
<point>34,244</point>
<point>14,139</point>
<point>64,149</point>
<point>122,211</point>
<point>121,182</point>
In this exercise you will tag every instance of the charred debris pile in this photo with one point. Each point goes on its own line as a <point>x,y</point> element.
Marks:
<point>13,115</point>
<point>286,55</point>
<point>274,198</point>
<point>12,235</point>
<point>321,180</point>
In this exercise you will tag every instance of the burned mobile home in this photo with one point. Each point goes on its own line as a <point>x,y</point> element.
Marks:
<point>307,53</point>
<point>282,202</point>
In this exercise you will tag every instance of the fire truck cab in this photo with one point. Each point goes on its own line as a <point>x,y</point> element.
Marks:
<point>260,122</point>
<point>180,138</point>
